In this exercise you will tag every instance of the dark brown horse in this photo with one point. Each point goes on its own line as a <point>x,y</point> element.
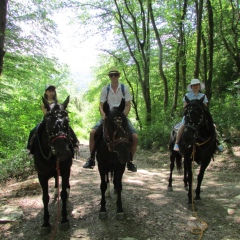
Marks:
<point>53,155</point>
<point>113,152</point>
<point>198,143</point>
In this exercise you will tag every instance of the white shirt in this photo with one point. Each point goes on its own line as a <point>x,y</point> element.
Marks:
<point>192,96</point>
<point>114,99</point>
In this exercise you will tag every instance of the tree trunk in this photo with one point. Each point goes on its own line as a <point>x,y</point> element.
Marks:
<point>199,10</point>
<point>181,67</point>
<point>160,50</point>
<point>3,16</point>
<point>232,45</point>
<point>208,81</point>
<point>143,47</point>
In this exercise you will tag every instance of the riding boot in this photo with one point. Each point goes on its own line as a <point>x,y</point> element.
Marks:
<point>90,163</point>
<point>131,167</point>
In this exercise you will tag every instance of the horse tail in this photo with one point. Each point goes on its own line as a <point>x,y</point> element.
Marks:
<point>179,163</point>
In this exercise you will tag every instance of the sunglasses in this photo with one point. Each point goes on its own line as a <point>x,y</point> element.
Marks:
<point>113,74</point>
<point>195,84</point>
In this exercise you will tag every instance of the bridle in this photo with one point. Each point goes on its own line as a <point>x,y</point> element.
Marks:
<point>112,143</point>
<point>196,127</point>
<point>61,123</point>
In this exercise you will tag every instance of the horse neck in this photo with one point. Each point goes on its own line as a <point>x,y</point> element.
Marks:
<point>44,141</point>
<point>207,128</point>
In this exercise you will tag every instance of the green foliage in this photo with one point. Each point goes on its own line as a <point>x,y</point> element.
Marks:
<point>27,69</point>
<point>226,115</point>
<point>15,164</point>
<point>157,135</point>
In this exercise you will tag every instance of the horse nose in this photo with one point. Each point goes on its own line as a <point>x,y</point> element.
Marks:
<point>62,154</point>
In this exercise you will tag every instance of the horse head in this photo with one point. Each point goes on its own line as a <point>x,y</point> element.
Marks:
<point>57,127</point>
<point>194,120</point>
<point>116,132</point>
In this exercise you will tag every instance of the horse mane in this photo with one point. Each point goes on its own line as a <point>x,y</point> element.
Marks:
<point>106,107</point>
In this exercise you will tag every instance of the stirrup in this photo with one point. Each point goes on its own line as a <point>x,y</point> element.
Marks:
<point>176,147</point>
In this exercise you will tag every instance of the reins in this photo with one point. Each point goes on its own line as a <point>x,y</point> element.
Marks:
<point>195,128</point>
<point>197,230</point>
<point>53,137</point>
<point>115,141</point>
<point>201,144</point>
<point>58,202</point>
<point>60,136</point>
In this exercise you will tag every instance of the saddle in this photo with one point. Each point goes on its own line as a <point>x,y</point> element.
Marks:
<point>97,137</point>
<point>177,126</point>
<point>36,135</point>
<point>33,136</point>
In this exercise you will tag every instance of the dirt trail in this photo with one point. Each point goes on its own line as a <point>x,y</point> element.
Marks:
<point>151,211</point>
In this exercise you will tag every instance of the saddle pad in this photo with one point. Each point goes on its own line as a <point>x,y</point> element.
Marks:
<point>177,126</point>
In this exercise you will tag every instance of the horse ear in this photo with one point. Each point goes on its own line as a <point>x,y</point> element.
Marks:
<point>187,99</point>
<point>122,105</point>
<point>46,104</point>
<point>65,103</point>
<point>106,108</point>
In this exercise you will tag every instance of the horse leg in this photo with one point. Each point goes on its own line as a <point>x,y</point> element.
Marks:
<point>107,193</point>
<point>118,186</point>
<point>200,178</point>
<point>103,187</point>
<point>55,194</point>
<point>185,177</point>
<point>64,197</point>
<point>188,165</point>
<point>46,228</point>
<point>172,159</point>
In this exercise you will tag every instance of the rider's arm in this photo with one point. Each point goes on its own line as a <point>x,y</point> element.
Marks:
<point>44,110</point>
<point>127,108</point>
<point>101,110</point>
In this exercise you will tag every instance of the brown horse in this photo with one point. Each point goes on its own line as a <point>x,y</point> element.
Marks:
<point>113,152</point>
<point>53,155</point>
<point>198,143</point>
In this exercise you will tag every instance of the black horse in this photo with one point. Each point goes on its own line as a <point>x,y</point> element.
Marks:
<point>113,152</point>
<point>197,143</point>
<point>53,155</point>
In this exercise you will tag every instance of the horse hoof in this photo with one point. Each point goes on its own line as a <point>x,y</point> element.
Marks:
<point>170,189</point>
<point>120,216</point>
<point>65,226</point>
<point>103,215</point>
<point>45,230</point>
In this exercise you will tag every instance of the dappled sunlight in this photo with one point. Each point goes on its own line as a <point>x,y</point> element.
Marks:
<point>135,181</point>
<point>149,172</point>
<point>146,202</point>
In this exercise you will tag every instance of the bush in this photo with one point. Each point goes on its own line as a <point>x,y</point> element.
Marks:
<point>16,165</point>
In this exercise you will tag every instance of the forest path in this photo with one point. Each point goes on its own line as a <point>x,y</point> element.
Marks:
<point>151,211</point>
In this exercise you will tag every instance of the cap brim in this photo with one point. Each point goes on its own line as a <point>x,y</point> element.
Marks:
<point>201,84</point>
<point>50,87</point>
